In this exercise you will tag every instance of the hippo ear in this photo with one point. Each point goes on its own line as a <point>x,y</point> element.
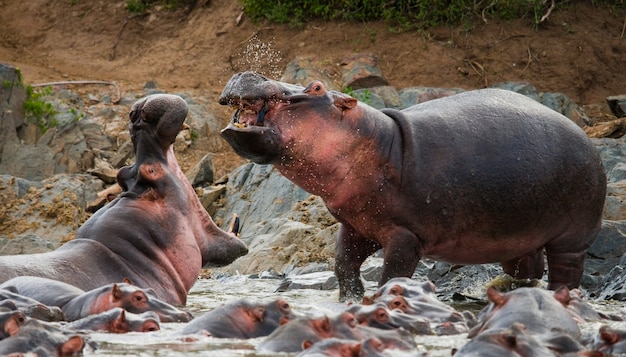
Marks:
<point>116,292</point>
<point>345,103</point>
<point>306,344</point>
<point>367,300</point>
<point>127,281</point>
<point>562,295</point>
<point>323,325</point>
<point>13,324</point>
<point>72,347</point>
<point>608,335</point>
<point>355,350</point>
<point>496,297</point>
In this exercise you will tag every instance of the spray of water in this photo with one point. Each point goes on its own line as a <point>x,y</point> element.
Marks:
<point>260,57</point>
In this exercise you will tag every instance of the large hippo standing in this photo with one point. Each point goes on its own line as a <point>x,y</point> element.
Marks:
<point>155,233</point>
<point>482,176</point>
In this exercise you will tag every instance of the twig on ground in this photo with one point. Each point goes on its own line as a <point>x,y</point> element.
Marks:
<point>119,34</point>
<point>530,59</point>
<point>545,16</point>
<point>61,83</point>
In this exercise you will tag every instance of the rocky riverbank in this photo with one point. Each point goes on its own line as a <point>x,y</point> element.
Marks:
<point>51,182</point>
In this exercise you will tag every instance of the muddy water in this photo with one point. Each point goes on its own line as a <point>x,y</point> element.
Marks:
<point>209,293</point>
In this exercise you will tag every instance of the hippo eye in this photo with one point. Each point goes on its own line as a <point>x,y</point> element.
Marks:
<point>395,291</point>
<point>382,314</point>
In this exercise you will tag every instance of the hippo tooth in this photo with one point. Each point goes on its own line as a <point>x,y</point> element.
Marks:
<point>261,115</point>
<point>236,116</point>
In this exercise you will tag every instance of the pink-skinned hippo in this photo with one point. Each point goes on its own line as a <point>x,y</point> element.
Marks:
<point>482,176</point>
<point>155,233</point>
<point>516,341</point>
<point>537,309</point>
<point>241,319</point>
<point>77,304</point>
<point>117,320</point>
<point>37,338</point>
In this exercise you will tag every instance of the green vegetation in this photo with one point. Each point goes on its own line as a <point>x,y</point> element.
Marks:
<point>140,6</point>
<point>38,110</point>
<point>364,95</point>
<point>403,14</point>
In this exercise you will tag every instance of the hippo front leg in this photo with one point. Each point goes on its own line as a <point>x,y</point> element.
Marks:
<point>351,251</point>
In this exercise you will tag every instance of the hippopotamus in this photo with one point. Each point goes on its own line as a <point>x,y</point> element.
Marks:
<point>379,316</point>
<point>609,340</point>
<point>29,306</point>
<point>42,339</point>
<point>117,320</point>
<point>155,233</point>
<point>77,304</point>
<point>241,319</point>
<point>537,309</point>
<point>370,347</point>
<point>516,341</point>
<point>302,332</point>
<point>482,176</point>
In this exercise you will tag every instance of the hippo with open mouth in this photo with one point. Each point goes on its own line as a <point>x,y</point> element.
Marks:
<point>155,233</point>
<point>482,176</point>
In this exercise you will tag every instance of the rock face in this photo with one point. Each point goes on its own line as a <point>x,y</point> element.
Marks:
<point>47,181</point>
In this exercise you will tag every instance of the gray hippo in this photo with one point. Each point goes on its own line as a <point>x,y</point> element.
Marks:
<point>155,233</point>
<point>482,176</point>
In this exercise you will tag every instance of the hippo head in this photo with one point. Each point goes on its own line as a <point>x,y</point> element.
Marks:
<point>269,113</point>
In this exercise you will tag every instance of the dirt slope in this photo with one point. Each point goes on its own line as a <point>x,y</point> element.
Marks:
<point>579,51</point>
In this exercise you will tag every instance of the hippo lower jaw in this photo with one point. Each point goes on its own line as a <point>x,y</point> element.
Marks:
<point>259,144</point>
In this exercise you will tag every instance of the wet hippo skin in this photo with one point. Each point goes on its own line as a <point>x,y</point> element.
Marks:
<point>155,233</point>
<point>482,176</point>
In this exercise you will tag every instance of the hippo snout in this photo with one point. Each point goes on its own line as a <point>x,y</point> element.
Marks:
<point>226,252</point>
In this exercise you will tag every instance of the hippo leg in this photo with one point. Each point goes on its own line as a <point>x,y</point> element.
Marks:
<point>351,251</point>
<point>401,256</point>
<point>530,266</point>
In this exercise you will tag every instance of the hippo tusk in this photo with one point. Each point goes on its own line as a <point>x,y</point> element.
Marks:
<point>234,225</point>
<point>236,116</point>
<point>262,113</point>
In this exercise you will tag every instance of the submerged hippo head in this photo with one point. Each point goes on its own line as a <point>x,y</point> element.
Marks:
<point>268,113</point>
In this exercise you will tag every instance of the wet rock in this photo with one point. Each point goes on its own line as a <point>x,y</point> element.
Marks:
<point>202,172</point>
<point>608,248</point>
<point>361,70</point>
<point>617,103</point>
<point>25,244</point>
<point>12,93</point>
<point>303,70</point>
<point>324,280</point>
<point>52,209</point>
<point>415,95</point>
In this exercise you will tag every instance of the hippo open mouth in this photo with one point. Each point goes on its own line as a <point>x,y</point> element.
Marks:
<point>256,100</point>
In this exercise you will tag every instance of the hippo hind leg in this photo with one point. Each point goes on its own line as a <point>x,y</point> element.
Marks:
<point>566,255</point>
<point>530,266</point>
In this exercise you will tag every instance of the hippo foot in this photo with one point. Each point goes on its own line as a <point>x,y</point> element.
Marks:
<point>351,292</point>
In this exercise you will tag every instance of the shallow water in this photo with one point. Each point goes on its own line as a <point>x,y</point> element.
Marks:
<point>210,293</point>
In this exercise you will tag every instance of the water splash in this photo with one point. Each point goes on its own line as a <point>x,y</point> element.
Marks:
<point>260,57</point>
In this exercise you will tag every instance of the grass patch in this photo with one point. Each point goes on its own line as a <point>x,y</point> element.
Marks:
<point>402,14</point>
